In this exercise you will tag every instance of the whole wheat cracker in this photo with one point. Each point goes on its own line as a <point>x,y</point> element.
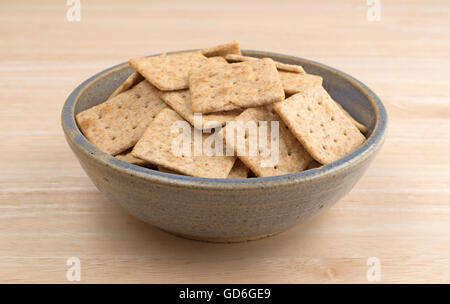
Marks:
<point>292,157</point>
<point>294,82</point>
<point>168,72</point>
<point>180,101</point>
<point>217,60</point>
<point>228,87</point>
<point>320,125</point>
<point>280,65</point>
<point>130,82</point>
<point>155,146</point>
<point>117,124</point>
<point>223,49</point>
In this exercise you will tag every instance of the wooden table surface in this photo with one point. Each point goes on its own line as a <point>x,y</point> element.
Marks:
<point>399,212</point>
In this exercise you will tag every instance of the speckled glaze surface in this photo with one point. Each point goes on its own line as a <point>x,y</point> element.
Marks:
<point>221,210</point>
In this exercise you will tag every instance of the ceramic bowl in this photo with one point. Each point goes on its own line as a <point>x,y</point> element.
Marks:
<point>222,210</point>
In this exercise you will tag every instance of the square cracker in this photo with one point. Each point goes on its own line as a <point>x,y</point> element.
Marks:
<point>280,66</point>
<point>320,125</point>
<point>117,124</point>
<point>292,157</point>
<point>155,146</point>
<point>168,72</point>
<point>180,101</point>
<point>240,85</point>
<point>130,82</point>
<point>295,83</point>
<point>223,49</point>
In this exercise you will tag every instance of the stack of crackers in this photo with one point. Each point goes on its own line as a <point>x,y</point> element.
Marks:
<point>136,123</point>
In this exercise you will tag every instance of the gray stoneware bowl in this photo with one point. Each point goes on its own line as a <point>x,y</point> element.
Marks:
<point>222,210</point>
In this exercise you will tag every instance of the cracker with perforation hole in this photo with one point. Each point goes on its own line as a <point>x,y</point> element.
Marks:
<point>295,83</point>
<point>155,146</point>
<point>117,124</point>
<point>320,125</point>
<point>130,82</point>
<point>223,49</point>
<point>253,83</point>
<point>168,72</point>
<point>180,101</point>
<point>291,158</point>
<point>280,65</point>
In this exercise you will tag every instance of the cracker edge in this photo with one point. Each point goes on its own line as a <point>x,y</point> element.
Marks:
<point>280,65</point>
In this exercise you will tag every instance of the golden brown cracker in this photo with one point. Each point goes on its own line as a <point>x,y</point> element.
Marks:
<point>156,146</point>
<point>253,83</point>
<point>289,67</point>
<point>223,49</point>
<point>180,101</point>
<point>280,65</point>
<point>117,124</point>
<point>295,83</point>
<point>168,72</point>
<point>292,157</point>
<point>320,125</point>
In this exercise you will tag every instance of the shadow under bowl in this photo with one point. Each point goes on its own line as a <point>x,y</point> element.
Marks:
<point>222,210</point>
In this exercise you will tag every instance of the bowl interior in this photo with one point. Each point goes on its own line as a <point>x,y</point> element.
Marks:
<point>353,95</point>
<point>101,88</point>
<point>352,99</point>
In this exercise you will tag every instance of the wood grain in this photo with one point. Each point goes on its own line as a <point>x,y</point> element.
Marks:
<point>398,212</point>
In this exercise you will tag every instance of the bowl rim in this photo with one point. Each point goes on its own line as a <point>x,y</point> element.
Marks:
<point>371,145</point>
